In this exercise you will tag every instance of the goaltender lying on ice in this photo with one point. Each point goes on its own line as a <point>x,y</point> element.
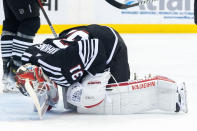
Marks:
<point>90,63</point>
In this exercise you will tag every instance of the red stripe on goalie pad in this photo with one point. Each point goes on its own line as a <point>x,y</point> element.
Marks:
<point>140,81</point>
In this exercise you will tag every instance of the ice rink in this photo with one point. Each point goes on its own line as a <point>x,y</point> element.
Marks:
<point>170,55</point>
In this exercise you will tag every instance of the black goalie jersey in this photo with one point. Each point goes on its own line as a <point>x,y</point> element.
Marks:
<point>78,51</point>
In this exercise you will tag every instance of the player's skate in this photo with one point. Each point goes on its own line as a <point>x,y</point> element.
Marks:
<point>8,77</point>
<point>5,72</point>
<point>181,105</point>
<point>33,82</point>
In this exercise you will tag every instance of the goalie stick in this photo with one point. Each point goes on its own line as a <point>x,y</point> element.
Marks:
<point>40,106</point>
<point>125,6</point>
<point>47,18</point>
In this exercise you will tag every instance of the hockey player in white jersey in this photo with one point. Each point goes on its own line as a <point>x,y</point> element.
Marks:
<point>90,63</point>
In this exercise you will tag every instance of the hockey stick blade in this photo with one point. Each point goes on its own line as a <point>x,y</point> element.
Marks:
<point>41,107</point>
<point>125,6</point>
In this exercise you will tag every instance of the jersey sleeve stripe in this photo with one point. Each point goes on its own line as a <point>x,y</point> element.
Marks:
<point>92,47</point>
<point>64,85</point>
<point>94,54</point>
<point>58,79</point>
<point>17,54</point>
<point>81,52</point>
<point>56,71</point>
<point>84,50</point>
<point>24,59</point>
<point>18,49</point>
<point>62,82</point>
<point>88,52</point>
<point>49,66</point>
<point>27,54</point>
<point>50,71</point>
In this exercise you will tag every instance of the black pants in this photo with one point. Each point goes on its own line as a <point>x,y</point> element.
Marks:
<point>21,14</point>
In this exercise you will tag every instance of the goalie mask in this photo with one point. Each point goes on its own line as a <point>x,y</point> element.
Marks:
<point>38,80</point>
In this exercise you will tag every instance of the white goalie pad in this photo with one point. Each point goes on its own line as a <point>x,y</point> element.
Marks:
<point>156,93</point>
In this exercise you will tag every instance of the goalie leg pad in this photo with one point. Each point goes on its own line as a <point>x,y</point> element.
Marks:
<point>167,95</point>
<point>157,93</point>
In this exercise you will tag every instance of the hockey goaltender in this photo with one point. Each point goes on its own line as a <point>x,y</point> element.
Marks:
<point>90,64</point>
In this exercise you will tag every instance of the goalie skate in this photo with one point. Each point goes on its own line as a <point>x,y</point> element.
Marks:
<point>8,80</point>
<point>10,88</point>
<point>10,84</point>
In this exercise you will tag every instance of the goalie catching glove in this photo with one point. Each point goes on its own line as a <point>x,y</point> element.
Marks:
<point>38,81</point>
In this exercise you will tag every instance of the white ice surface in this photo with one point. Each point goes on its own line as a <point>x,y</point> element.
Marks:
<point>171,55</point>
